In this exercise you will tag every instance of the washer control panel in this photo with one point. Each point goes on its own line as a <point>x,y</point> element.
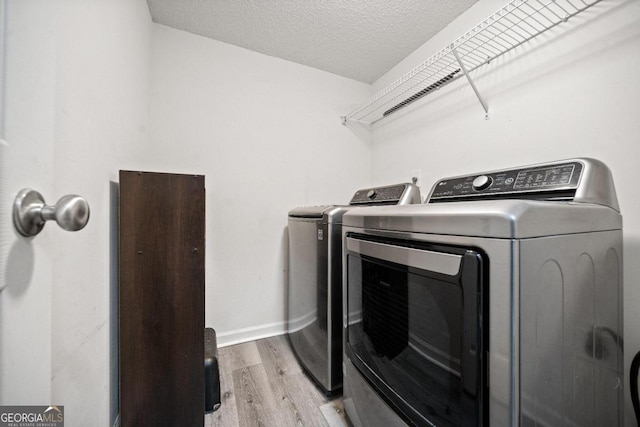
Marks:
<point>552,181</point>
<point>390,195</point>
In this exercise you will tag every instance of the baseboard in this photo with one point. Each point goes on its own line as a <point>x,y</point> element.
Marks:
<point>253,333</point>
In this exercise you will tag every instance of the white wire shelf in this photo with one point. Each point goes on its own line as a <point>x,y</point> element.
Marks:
<point>514,24</point>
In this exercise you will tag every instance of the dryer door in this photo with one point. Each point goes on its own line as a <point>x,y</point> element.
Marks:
<point>416,327</point>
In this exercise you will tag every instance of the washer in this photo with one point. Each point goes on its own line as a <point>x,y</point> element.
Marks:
<point>315,280</point>
<point>498,302</point>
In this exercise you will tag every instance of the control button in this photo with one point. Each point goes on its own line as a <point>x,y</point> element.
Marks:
<point>482,182</point>
<point>508,181</point>
<point>372,194</point>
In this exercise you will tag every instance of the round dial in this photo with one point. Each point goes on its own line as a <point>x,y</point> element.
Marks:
<point>372,194</point>
<point>482,182</point>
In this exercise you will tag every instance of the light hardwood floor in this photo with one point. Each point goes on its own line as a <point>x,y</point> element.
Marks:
<point>262,384</point>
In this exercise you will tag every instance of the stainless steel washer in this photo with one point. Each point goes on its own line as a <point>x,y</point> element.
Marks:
<point>315,280</point>
<point>497,302</point>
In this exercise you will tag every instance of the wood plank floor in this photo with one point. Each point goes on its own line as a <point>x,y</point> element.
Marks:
<point>262,384</point>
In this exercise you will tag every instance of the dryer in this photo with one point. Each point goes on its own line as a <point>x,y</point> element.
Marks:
<point>498,302</point>
<point>314,321</point>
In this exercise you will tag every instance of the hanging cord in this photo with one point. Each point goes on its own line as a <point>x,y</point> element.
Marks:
<point>633,378</point>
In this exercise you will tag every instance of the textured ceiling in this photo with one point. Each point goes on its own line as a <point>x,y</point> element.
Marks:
<point>359,39</point>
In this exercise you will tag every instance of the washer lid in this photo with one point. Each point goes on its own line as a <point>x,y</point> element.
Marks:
<point>508,219</point>
<point>310,211</point>
<point>398,194</point>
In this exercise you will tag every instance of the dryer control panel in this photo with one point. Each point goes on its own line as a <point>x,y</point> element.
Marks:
<point>556,181</point>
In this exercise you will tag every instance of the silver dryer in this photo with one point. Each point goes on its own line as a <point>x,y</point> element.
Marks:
<point>496,302</point>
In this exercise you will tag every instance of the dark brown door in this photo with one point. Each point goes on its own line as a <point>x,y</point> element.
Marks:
<point>162,226</point>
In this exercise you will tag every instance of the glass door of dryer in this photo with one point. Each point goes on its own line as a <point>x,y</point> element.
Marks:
<point>416,327</point>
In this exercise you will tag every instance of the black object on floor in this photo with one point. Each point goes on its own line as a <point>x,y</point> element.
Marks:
<point>211,372</point>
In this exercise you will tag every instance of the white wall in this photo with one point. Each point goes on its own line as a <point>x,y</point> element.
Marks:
<point>573,92</point>
<point>267,135</point>
<point>76,111</point>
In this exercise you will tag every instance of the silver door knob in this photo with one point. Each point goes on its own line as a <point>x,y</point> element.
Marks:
<point>30,213</point>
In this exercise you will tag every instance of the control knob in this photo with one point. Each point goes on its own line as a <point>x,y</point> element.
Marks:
<point>371,194</point>
<point>482,182</point>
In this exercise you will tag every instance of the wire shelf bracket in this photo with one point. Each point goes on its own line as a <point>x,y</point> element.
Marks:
<point>471,83</point>
<point>511,26</point>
